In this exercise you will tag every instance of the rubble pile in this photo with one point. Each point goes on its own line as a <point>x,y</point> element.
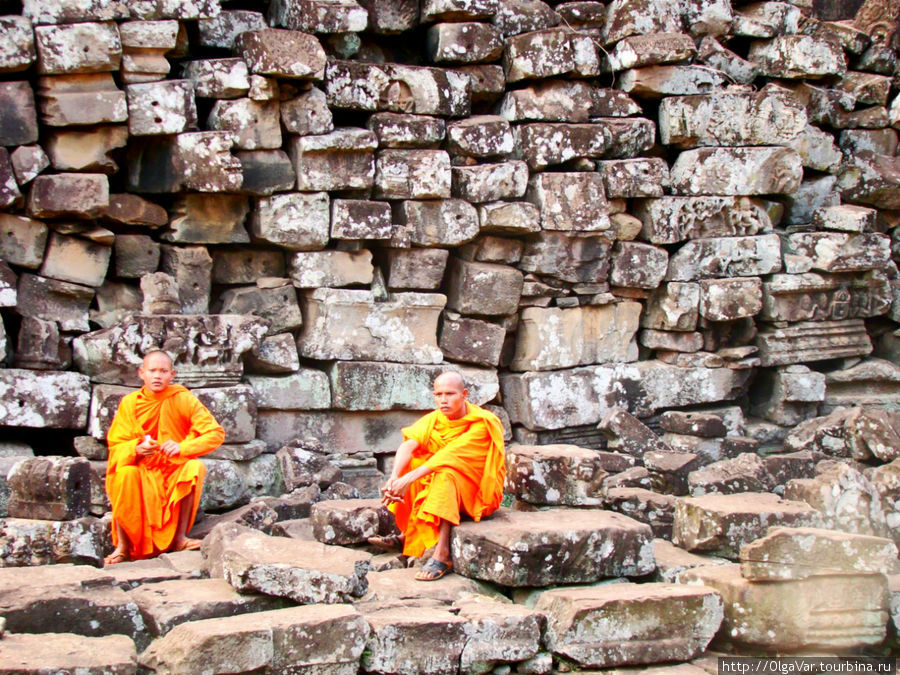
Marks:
<point>659,239</point>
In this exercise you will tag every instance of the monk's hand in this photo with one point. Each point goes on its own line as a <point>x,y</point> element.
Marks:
<point>147,447</point>
<point>170,449</point>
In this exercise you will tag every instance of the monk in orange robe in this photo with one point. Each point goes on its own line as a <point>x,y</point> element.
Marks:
<point>153,478</point>
<point>451,461</point>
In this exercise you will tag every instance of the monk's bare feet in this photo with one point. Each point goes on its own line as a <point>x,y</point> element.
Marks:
<point>120,555</point>
<point>186,544</point>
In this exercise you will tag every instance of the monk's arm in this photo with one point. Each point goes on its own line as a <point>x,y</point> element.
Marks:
<point>205,435</point>
<point>123,437</point>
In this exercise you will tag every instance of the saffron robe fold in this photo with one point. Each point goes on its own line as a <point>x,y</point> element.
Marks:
<point>146,492</point>
<point>469,471</point>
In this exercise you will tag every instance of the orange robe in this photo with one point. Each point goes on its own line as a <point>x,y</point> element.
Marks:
<point>469,470</point>
<point>146,492</point>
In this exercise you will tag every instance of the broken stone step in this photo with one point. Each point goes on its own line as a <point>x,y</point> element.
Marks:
<point>630,624</point>
<point>394,585</point>
<point>303,571</point>
<point>85,600</point>
<point>557,546</point>
<point>313,638</point>
<point>787,553</point>
<point>721,524</point>
<point>345,522</point>
<point>67,653</point>
<point>841,612</point>
<point>167,604</point>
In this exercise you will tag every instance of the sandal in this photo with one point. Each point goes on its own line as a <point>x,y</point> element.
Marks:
<point>392,542</point>
<point>433,570</point>
<point>115,558</point>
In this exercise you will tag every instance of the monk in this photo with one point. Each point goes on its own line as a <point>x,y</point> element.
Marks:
<point>450,462</point>
<point>153,478</point>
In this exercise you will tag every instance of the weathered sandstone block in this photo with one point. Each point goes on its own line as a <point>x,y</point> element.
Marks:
<point>483,288</point>
<point>645,506</point>
<point>314,638</point>
<point>571,202</point>
<point>543,548</point>
<point>813,296</point>
<point>67,652</point>
<point>348,521</point>
<point>640,177</point>
<point>165,107</point>
<point>86,599</point>
<point>788,553</point>
<point>27,542</point>
<point>736,171</point>
<point>625,433</point>
<point>56,400</point>
<point>349,325</point>
<point>412,174</point>
<point>637,265</point>
<point>281,53</point>
<point>654,82</point>
<point>555,475</point>
<point>49,488</point>
<point>397,88</point>
<point>398,636</point>
<point>721,524</point>
<point>730,299</point>
<point>78,48</point>
<point>630,623</point>
<point>764,118</point>
<point>542,53</point>
<point>467,42</point>
<point>438,222</point>
<point>650,49</point>
<point>557,399</point>
<point>798,56</point>
<point>668,220</point>
<point>471,340</point>
<point>839,251</point>
<point>76,260</point>
<point>73,195</point>
<point>552,338</point>
<point>725,257</point>
<point>297,221</point>
<point>401,385</point>
<point>315,16</point>
<point>342,159</point>
<point>792,615</point>
<point>360,219</point>
<point>305,572</point>
<point>416,268</point>
<point>314,269</point>
<point>805,341</point>
<point>490,182</point>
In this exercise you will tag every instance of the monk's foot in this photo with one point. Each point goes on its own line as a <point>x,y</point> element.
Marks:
<point>116,557</point>
<point>434,569</point>
<point>392,542</point>
<point>186,544</point>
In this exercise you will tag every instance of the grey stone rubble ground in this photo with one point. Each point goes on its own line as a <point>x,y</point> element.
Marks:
<point>689,334</point>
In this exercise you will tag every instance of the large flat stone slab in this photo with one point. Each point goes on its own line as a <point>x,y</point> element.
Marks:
<point>721,524</point>
<point>304,571</point>
<point>167,604</point>
<point>557,546</point>
<point>578,396</point>
<point>68,653</point>
<point>314,638</point>
<point>787,553</point>
<point>401,585</point>
<point>83,599</point>
<point>630,624</point>
<point>420,639</point>
<point>834,612</point>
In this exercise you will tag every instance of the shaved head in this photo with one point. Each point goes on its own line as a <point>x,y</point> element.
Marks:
<point>157,353</point>
<point>450,378</point>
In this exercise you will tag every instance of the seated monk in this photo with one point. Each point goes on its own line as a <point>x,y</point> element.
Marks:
<point>451,460</point>
<point>152,477</point>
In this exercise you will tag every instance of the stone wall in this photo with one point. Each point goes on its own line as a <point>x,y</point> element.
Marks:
<point>317,205</point>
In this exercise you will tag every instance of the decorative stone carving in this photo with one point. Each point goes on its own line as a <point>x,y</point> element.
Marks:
<point>206,349</point>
